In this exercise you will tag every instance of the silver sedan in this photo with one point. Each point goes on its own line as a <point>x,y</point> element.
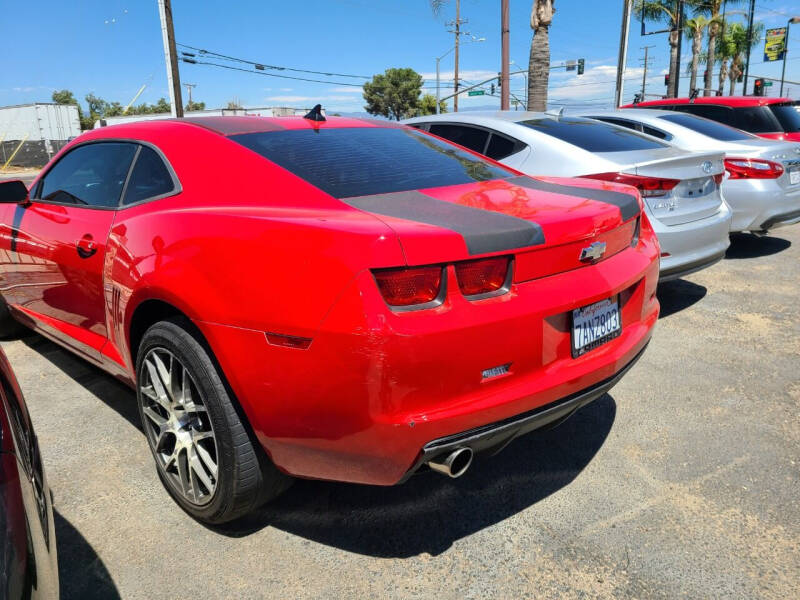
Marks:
<point>762,184</point>
<point>681,190</point>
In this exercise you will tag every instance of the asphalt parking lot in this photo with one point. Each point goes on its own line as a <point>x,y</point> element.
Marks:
<point>683,481</point>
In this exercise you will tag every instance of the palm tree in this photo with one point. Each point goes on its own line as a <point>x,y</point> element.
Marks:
<point>539,63</point>
<point>734,47</point>
<point>664,11</point>
<point>711,9</point>
<point>694,29</point>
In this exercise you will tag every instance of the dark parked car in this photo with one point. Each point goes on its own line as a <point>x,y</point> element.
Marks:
<point>28,562</point>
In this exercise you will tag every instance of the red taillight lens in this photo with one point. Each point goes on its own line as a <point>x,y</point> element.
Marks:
<point>718,178</point>
<point>752,168</point>
<point>407,287</point>
<point>648,186</point>
<point>482,276</point>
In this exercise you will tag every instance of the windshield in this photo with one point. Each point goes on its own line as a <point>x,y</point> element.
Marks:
<point>593,136</point>
<point>709,128</point>
<point>788,116</point>
<point>348,162</point>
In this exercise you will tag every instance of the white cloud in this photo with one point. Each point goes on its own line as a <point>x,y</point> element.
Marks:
<point>28,88</point>
<point>289,98</point>
<point>475,76</point>
<point>285,89</point>
<point>346,90</point>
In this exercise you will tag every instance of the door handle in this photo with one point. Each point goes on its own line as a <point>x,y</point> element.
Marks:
<point>86,246</point>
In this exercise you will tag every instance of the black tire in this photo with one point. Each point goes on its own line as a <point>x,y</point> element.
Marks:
<point>246,477</point>
<point>9,327</point>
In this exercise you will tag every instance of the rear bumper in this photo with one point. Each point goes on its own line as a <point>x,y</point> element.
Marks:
<point>375,386</point>
<point>492,438</point>
<point>759,205</point>
<point>693,246</point>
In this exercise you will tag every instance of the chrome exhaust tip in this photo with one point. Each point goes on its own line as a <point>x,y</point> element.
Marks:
<point>454,464</point>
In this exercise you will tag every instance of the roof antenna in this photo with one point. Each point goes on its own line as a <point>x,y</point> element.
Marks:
<point>315,114</point>
<point>693,94</point>
<point>555,112</point>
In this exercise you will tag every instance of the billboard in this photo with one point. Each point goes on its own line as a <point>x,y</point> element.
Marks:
<point>775,44</point>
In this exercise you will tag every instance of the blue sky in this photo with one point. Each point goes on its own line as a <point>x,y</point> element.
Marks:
<point>112,47</point>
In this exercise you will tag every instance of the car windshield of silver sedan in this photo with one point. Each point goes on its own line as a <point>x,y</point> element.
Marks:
<point>593,136</point>
<point>362,161</point>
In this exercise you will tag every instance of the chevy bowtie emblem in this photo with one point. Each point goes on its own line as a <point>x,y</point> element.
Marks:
<point>593,251</point>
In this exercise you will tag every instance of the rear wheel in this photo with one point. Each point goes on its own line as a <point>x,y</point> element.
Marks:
<point>9,326</point>
<point>203,451</point>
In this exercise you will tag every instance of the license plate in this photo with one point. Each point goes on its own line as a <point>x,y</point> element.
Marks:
<point>594,325</point>
<point>794,176</point>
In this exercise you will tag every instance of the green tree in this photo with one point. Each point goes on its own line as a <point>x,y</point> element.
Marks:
<point>394,94</point>
<point>711,9</point>
<point>427,106</point>
<point>694,30</point>
<point>733,48</point>
<point>542,13</point>
<point>664,12</point>
<point>162,106</point>
<point>234,104</point>
<point>195,106</point>
<point>67,97</point>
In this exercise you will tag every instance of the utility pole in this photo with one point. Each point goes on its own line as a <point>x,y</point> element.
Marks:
<point>189,87</point>
<point>505,82</point>
<point>623,50</point>
<point>749,43</point>
<point>645,63</point>
<point>679,27</point>
<point>458,23</point>
<point>171,57</point>
<point>793,20</point>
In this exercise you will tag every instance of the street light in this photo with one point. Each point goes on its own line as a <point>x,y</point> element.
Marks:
<point>474,39</point>
<point>786,50</point>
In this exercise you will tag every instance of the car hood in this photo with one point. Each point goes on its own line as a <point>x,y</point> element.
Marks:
<point>502,216</point>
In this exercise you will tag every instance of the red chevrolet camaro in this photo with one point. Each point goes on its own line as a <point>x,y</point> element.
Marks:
<point>346,299</point>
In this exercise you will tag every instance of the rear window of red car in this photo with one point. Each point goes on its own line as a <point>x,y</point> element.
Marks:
<point>348,162</point>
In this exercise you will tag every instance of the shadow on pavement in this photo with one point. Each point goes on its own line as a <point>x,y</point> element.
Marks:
<point>426,514</point>
<point>677,295</point>
<point>81,573</point>
<point>747,245</point>
<point>114,393</point>
<point>430,512</point>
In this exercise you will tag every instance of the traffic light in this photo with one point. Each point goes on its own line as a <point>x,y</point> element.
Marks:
<point>499,81</point>
<point>758,87</point>
<point>492,90</point>
<point>581,66</point>
<point>666,80</point>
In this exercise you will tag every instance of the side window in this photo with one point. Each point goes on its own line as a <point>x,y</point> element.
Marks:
<point>500,146</point>
<point>721,114</point>
<point>656,132</point>
<point>89,175</point>
<point>150,178</point>
<point>756,119</point>
<point>469,137</point>
<point>619,122</point>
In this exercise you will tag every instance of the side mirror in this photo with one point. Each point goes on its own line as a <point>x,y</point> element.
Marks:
<point>13,192</point>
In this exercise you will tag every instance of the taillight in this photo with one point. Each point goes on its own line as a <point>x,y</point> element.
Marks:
<point>409,287</point>
<point>719,177</point>
<point>753,168</point>
<point>483,276</point>
<point>648,186</point>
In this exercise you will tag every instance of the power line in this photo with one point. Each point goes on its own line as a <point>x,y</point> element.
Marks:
<point>261,66</point>
<point>194,61</point>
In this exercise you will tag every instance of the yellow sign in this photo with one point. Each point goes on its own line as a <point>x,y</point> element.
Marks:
<point>775,44</point>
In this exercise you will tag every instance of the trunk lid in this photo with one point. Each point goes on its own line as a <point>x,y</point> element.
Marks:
<point>697,194</point>
<point>544,222</point>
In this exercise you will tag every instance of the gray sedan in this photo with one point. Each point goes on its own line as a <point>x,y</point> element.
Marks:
<point>681,190</point>
<point>762,184</point>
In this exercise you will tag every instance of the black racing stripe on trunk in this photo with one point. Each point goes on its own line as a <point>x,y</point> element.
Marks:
<point>628,204</point>
<point>483,231</point>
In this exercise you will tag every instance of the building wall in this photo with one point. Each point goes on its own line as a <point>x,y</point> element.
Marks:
<point>45,129</point>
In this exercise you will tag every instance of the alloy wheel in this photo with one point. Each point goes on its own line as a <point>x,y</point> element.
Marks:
<point>178,426</point>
